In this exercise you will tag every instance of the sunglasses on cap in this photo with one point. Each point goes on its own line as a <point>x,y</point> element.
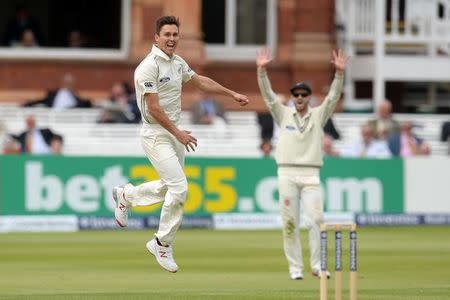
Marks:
<point>306,94</point>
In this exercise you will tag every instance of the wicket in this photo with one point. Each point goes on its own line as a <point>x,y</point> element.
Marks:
<point>338,259</point>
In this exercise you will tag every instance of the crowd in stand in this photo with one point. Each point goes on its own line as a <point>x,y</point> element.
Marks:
<point>380,137</point>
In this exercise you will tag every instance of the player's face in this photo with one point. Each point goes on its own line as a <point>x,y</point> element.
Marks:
<point>301,100</point>
<point>167,39</point>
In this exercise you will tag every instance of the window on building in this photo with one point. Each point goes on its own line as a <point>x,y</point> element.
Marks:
<point>54,29</point>
<point>235,29</point>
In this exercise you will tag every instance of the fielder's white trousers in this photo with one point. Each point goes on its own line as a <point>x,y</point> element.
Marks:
<point>166,155</point>
<point>299,188</point>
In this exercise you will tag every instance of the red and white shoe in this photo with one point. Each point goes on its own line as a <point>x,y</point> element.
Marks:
<point>122,205</point>
<point>318,273</point>
<point>163,255</point>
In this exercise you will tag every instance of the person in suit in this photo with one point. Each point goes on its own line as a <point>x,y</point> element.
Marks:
<point>384,125</point>
<point>405,143</point>
<point>36,140</point>
<point>207,111</point>
<point>62,98</point>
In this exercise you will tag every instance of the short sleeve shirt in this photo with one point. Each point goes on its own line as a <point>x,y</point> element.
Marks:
<point>163,75</point>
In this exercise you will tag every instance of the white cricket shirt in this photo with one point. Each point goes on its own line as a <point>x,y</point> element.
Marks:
<point>300,140</point>
<point>163,75</point>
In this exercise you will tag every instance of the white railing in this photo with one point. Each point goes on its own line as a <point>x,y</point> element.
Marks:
<point>417,21</point>
<point>393,40</point>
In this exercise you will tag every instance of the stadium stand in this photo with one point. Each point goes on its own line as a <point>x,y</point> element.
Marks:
<point>240,138</point>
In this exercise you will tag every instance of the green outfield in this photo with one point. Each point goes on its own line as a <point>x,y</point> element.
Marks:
<point>394,263</point>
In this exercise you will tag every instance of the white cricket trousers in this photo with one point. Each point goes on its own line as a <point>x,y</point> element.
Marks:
<point>166,155</point>
<point>299,189</point>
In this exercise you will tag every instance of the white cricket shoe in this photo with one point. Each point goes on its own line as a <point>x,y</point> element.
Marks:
<point>316,273</point>
<point>163,255</point>
<point>296,275</point>
<point>122,205</point>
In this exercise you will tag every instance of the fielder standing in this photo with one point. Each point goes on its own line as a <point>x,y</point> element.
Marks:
<point>158,80</point>
<point>299,159</point>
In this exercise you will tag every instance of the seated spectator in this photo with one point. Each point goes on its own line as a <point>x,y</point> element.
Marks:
<point>384,125</point>
<point>207,111</point>
<point>327,147</point>
<point>64,97</point>
<point>445,132</point>
<point>75,39</point>
<point>21,22</point>
<point>368,147</point>
<point>405,143</point>
<point>266,148</point>
<point>27,40</point>
<point>8,145</point>
<point>121,107</point>
<point>36,140</point>
<point>56,144</point>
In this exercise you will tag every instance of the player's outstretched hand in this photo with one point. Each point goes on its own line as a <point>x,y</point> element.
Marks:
<point>339,60</point>
<point>241,99</point>
<point>188,140</point>
<point>263,57</point>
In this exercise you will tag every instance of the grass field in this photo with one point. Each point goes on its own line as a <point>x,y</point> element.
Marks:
<point>393,263</point>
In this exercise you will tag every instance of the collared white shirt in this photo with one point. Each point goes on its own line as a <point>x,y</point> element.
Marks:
<point>39,145</point>
<point>64,99</point>
<point>163,75</point>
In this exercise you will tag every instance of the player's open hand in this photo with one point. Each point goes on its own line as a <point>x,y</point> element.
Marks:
<point>188,140</point>
<point>339,60</point>
<point>241,99</point>
<point>263,57</point>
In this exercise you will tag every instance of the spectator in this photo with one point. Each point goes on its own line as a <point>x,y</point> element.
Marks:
<point>8,145</point>
<point>369,146</point>
<point>64,97</point>
<point>56,144</point>
<point>36,140</point>
<point>75,39</point>
<point>27,40</point>
<point>18,25</point>
<point>327,147</point>
<point>384,125</point>
<point>122,107</point>
<point>207,111</point>
<point>405,143</point>
<point>445,132</point>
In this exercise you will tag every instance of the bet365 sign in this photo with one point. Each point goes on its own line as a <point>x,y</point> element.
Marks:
<point>83,185</point>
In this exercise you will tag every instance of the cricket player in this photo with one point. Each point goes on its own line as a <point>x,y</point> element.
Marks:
<point>299,159</point>
<point>158,80</point>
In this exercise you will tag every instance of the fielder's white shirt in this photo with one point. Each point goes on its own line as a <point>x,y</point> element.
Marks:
<point>300,140</point>
<point>163,75</point>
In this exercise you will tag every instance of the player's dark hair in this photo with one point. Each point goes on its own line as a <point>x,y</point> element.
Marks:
<point>166,20</point>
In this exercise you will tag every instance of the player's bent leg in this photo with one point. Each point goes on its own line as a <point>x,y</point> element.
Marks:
<point>122,205</point>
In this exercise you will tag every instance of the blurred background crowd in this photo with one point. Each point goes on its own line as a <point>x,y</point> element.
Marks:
<point>68,89</point>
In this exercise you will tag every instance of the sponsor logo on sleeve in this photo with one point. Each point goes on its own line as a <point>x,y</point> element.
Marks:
<point>290,127</point>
